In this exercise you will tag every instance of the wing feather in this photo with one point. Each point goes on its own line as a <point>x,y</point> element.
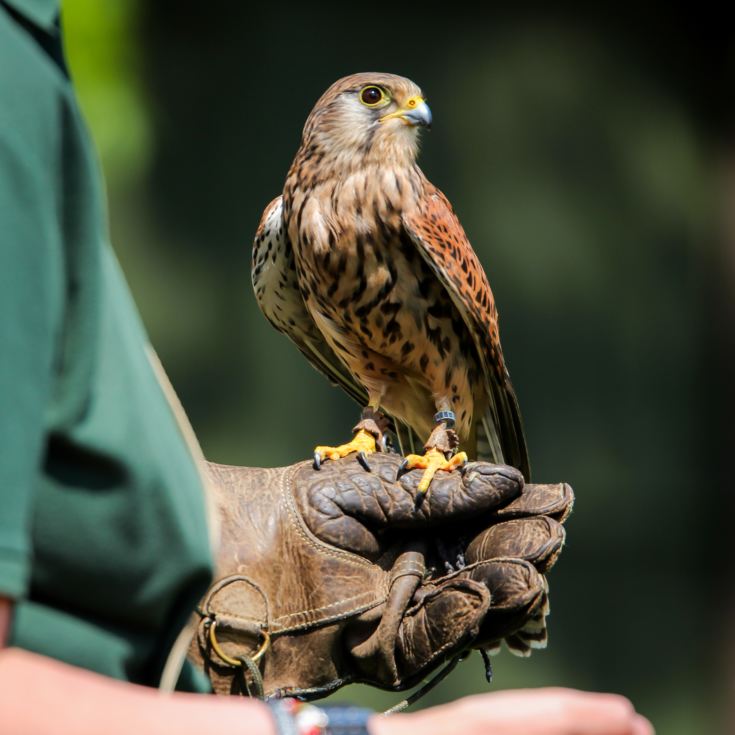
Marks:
<point>442,242</point>
<point>277,292</point>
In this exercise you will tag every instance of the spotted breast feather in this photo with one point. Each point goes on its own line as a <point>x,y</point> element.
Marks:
<point>275,283</point>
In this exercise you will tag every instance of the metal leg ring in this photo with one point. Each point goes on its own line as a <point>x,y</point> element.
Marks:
<point>447,417</point>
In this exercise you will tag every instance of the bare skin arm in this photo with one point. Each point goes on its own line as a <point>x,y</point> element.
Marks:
<point>40,696</point>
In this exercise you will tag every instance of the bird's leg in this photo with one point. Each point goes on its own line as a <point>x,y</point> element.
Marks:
<point>441,454</point>
<point>368,437</point>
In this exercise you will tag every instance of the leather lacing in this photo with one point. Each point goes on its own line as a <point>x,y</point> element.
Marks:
<point>429,685</point>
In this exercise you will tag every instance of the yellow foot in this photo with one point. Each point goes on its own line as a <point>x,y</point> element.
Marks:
<point>433,461</point>
<point>363,443</point>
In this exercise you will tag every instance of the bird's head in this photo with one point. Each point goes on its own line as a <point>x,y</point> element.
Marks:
<point>368,116</point>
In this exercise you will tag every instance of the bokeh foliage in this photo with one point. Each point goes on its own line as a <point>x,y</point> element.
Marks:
<point>582,158</point>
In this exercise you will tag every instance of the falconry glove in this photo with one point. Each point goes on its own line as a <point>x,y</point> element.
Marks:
<point>332,577</point>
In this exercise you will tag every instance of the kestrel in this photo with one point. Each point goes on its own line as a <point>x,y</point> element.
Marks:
<point>364,265</point>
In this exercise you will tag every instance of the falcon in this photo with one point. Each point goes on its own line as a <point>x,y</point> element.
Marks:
<point>363,264</point>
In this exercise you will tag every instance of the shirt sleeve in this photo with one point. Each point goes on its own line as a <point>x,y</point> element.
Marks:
<point>30,289</point>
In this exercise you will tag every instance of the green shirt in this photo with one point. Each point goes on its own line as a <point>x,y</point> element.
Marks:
<point>104,544</point>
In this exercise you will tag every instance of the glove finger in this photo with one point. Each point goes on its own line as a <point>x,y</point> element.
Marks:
<point>444,619</point>
<point>555,501</point>
<point>479,488</point>
<point>519,605</point>
<point>538,540</point>
<point>344,505</point>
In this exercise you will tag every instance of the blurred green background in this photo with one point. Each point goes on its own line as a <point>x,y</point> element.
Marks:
<point>588,157</point>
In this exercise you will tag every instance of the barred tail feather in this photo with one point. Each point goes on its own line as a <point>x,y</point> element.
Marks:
<point>499,431</point>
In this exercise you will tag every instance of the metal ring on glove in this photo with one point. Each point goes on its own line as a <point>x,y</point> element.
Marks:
<point>235,661</point>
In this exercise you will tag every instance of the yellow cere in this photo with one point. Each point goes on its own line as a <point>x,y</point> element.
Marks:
<point>411,104</point>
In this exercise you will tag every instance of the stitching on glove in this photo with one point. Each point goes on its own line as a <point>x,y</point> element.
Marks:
<point>332,604</point>
<point>303,530</point>
<point>475,564</point>
<point>406,569</point>
<point>409,565</point>
<point>278,629</point>
<point>236,616</point>
<point>311,624</point>
<point>287,498</point>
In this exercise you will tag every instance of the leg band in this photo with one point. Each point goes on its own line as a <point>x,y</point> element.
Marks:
<point>447,416</point>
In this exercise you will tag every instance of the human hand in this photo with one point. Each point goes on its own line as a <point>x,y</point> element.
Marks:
<point>352,583</point>
<point>552,711</point>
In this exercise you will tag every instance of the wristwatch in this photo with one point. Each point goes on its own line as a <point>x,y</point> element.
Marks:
<point>293,717</point>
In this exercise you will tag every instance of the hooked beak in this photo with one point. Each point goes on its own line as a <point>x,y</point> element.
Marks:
<point>414,112</point>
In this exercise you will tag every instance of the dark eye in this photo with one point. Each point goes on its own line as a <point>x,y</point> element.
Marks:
<point>372,96</point>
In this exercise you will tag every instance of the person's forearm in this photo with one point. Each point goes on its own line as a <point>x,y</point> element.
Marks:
<point>40,696</point>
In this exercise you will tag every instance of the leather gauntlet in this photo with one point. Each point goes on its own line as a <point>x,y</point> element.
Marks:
<point>331,577</point>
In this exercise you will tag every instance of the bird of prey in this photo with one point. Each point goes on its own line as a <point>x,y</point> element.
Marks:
<point>363,264</point>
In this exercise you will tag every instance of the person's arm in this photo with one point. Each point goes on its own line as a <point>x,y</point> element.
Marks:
<point>40,696</point>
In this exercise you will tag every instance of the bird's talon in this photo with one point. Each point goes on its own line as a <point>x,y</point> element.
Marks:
<point>363,442</point>
<point>363,460</point>
<point>317,461</point>
<point>402,469</point>
<point>431,462</point>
